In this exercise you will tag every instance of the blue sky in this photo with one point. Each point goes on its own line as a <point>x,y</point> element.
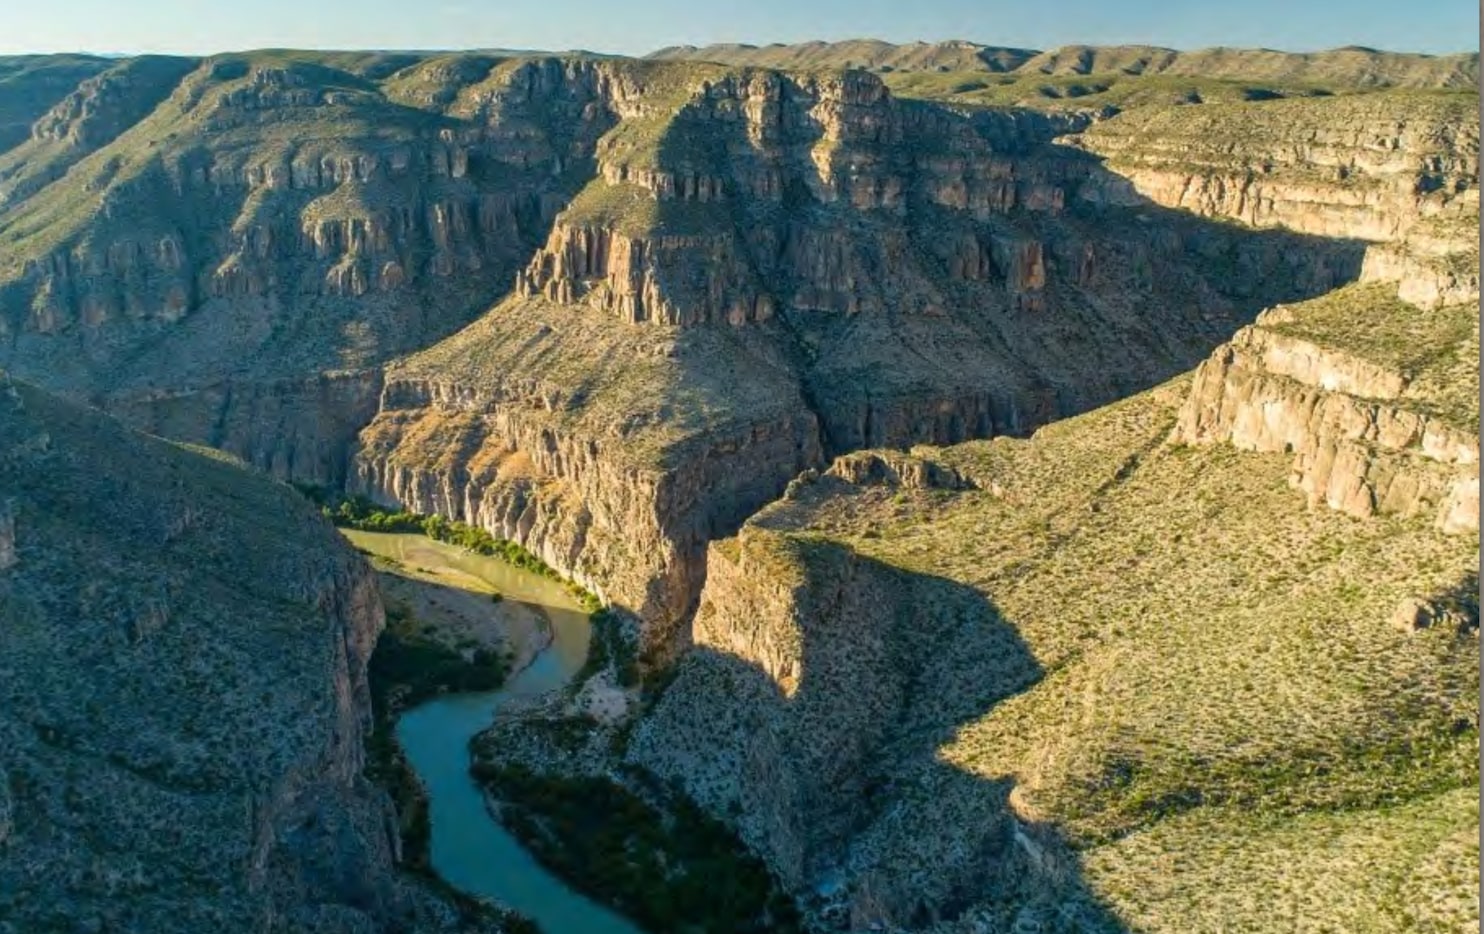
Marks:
<point>636,26</point>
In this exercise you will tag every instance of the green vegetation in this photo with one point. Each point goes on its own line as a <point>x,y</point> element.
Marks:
<point>1090,91</point>
<point>1217,665</point>
<point>1352,67</point>
<point>1261,137</point>
<point>357,512</point>
<point>410,666</point>
<point>417,661</point>
<point>30,84</point>
<point>670,867</point>
<point>610,645</point>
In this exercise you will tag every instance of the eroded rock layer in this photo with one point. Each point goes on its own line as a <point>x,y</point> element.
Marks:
<point>697,279</point>
<point>768,270</point>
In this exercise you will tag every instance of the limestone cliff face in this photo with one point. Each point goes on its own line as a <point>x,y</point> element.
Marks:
<point>634,534</point>
<point>865,271</point>
<point>185,695</point>
<point>1357,446</point>
<point>809,693</point>
<point>1367,168</point>
<point>695,227</point>
<point>295,429</point>
<point>320,224</point>
<point>889,272</point>
<point>942,707</point>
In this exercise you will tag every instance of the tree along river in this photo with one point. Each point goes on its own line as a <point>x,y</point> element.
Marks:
<point>470,849</point>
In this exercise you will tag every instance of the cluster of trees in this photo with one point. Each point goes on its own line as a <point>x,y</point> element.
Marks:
<point>358,512</point>
<point>609,644</point>
<point>671,867</point>
<point>411,667</point>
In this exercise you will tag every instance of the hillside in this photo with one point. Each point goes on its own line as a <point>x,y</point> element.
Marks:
<point>183,695</point>
<point>1351,67</point>
<point>31,84</point>
<point>610,307</point>
<point>1117,676</point>
<point>1029,491</point>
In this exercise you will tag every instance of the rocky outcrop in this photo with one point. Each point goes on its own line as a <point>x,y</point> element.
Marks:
<point>817,267</point>
<point>185,694</point>
<point>296,249</point>
<point>807,701</point>
<point>896,470</point>
<point>769,269</point>
<point>1368,167</point>
<point>1357,446</point>
<point>1010,707</point>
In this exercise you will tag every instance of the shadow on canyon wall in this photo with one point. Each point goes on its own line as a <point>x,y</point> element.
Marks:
<point>829,760</point>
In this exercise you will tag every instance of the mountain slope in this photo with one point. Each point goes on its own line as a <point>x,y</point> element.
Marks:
<point>1350,67</point>
<point>1114,676</point>
<point>183,694</point>
<point>686,281</point>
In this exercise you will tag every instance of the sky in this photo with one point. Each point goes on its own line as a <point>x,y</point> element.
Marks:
<point>638,26</point>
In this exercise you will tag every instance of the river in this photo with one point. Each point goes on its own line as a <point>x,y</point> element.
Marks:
<point>470,849</point>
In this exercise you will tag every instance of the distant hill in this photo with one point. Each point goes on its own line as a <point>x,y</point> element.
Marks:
<point>31,84</point>
<point>1352,66</point>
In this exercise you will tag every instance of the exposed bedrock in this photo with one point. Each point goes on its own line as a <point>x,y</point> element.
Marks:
<point>834,674</point>
<point>895,272</point>
<point>302,430</point>
<point>1368,167</point>
<point>635,534</point>
<point>905,280</point>
<point>1357,446</point>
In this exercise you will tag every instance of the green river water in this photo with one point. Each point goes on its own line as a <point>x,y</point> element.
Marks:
<point>471,850</point>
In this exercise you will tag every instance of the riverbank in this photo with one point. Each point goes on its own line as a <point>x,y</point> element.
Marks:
<point>450,604</point>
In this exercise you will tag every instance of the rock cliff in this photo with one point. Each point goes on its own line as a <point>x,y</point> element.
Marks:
<point>1367,166</point>
<point>1367,437</point>
<point>768,269</point>
<point>696,279</point>
<point>327,214</point>
<point>1011,701</point>
<point>183,664</point>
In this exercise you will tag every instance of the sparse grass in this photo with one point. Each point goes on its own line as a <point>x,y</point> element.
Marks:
<point>1219,669</point>
<point>1090,92</point>
<point>1438,133</point>
<point>654,392</point>
<point>1370,322</point>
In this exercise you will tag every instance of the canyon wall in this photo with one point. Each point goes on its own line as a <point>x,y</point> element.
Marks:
<point>793,267</point>
<point>185,694</point>
<point>756,270</point>
<point>980,687</point>
<point>1358,445</point>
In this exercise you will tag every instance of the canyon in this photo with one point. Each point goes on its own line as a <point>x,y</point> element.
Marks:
<point>949,425</point>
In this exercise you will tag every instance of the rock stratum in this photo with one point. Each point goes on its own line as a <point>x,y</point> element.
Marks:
<point>609,308</point>
<point>183,651</point>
